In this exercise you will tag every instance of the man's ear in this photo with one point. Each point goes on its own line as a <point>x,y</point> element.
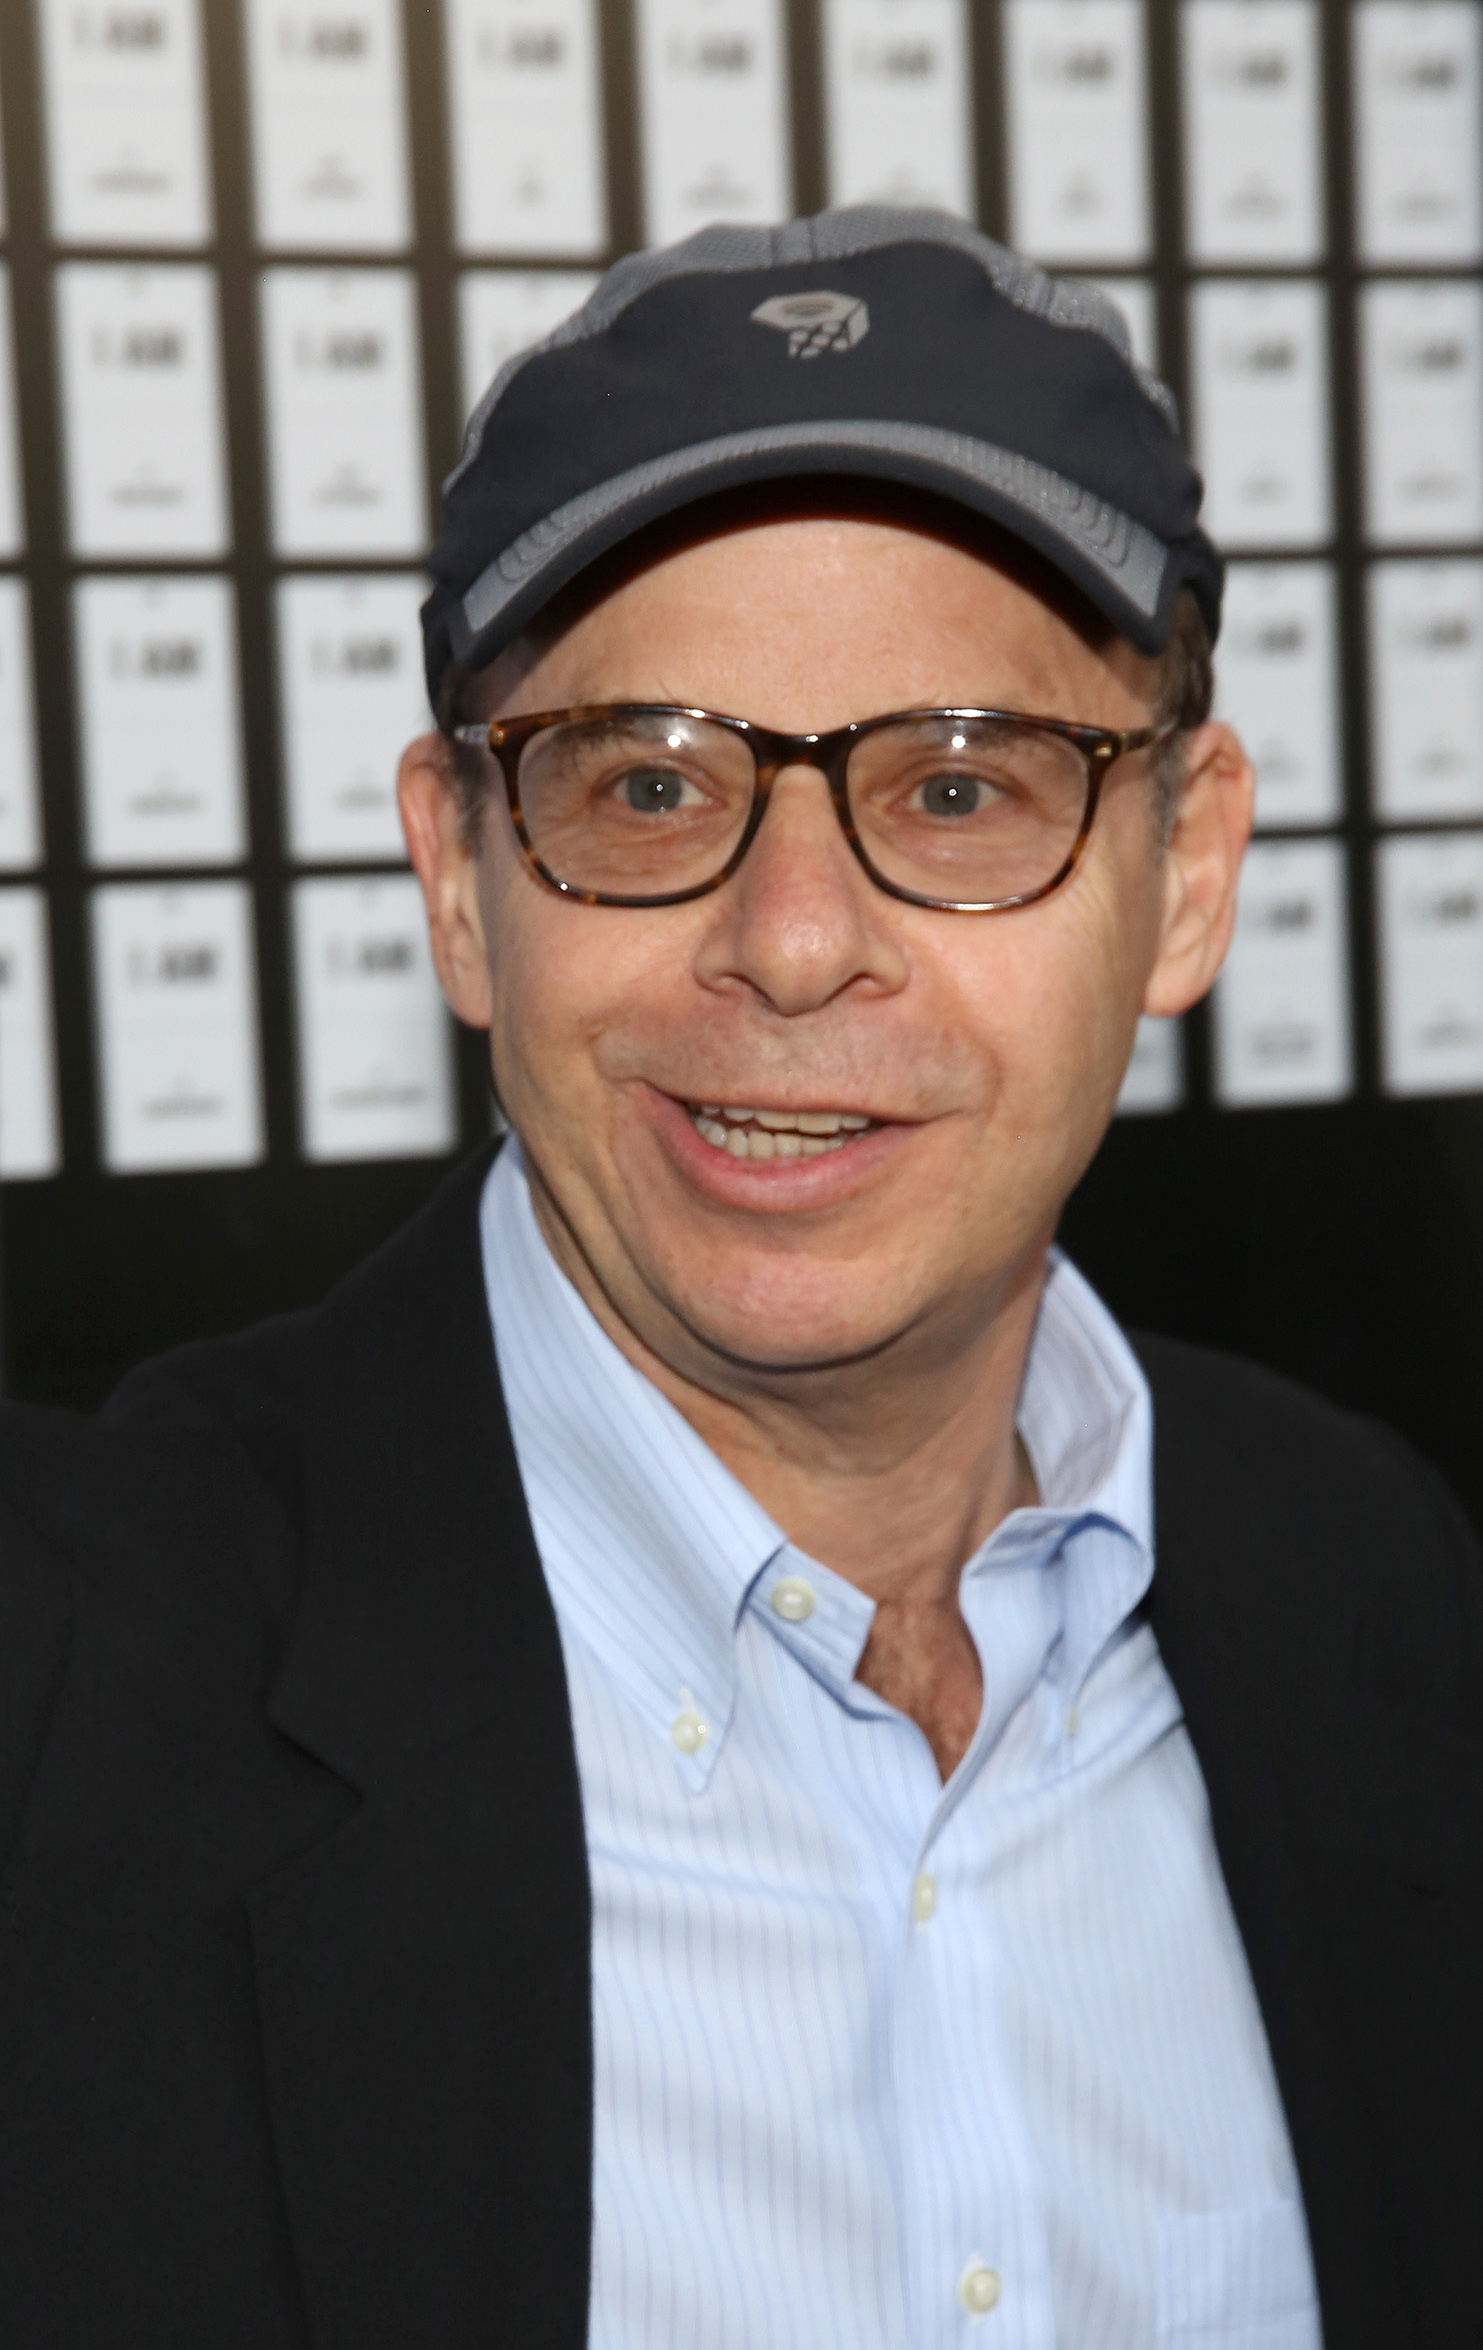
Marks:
<point>448,871</point>
<point>1202,865</point>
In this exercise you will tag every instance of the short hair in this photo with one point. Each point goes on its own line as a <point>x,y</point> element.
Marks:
<point>1183,697</point>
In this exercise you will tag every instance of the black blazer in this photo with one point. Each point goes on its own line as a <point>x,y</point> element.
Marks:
<point>294,1930</point>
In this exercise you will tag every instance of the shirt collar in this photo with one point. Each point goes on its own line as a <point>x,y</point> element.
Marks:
<point>649,1544</point>
<point>1086,1421</point>
<point>652,1548</point>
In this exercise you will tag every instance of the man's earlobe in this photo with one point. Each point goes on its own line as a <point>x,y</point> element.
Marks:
<point>432,824</point>
<point>1202,866</point>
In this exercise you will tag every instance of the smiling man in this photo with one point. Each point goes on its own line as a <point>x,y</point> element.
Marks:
<point>707,1755</point>
<point>799,1136</point>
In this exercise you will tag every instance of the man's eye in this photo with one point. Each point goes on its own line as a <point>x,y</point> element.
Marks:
<point>953,795</point>
<point>654,791</point>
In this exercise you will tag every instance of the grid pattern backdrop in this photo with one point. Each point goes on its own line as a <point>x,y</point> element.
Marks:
<point>259,258</point>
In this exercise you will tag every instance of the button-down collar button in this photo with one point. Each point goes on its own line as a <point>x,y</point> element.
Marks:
<point>924,1898</point>
<point>688,1730</point>
<point>792,1599</point>
<point>978,2288</point>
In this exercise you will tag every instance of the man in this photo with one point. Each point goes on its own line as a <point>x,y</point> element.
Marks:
<point>704,1755</point>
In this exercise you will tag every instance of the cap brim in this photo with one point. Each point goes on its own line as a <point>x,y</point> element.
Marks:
<point>1128,574</point>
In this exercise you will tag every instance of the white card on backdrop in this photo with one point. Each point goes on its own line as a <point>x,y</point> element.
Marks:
<point>1077,109</point>
<point>177,1025</point>
<point>329,124</point>
<point>30,1136</point>
<point>1259,369</point>
<point>1426,688</point>
<point>525,116</point>
<point>897,109</point>
<point>161,721</point>
<point>1282,1000</point>
<point>350,661</point>
<point>126,122</point>
<point>1422,348</point>
<point>20,795</point>
<point>375,1064</point>
<point>1418,87</point>
<point>1276,682</point>
<point>502,311</point>
<point>713,114</point>
<point>1137,299</point>
<point>344,412</point>
<point>12,510</point>
<point>141,386</point>
<point>1154,1079</point>
<point>1253,141</point>
<point>1430,890</point>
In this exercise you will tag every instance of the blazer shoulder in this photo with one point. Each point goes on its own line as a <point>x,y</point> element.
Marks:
<point>1326,1516</point>
<point>263,1387</point>
<point>189,1444</point>
<point>1224,1408</point>
<point>1240,1396</point>
<point>240,1398</point>
<point>210,1450</point>
<point>142,1566</point>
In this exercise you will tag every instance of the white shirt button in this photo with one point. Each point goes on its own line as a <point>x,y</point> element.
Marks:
<point>978,2287</point>
<point>688,1730</point>
<point>792,1599</point>
<point>924,1898</point>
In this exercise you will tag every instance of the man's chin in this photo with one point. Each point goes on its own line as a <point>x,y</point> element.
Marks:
<point>763,1328</point>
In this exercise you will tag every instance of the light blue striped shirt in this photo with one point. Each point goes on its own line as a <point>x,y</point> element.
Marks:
<point>883,2064</point>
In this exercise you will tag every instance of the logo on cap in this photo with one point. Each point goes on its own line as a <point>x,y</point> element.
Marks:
<point>815,322</point>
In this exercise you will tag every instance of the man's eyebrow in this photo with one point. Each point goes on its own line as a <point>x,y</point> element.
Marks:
<point>606,726</point>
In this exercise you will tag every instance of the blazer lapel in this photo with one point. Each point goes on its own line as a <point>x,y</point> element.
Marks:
<point>1225,1556</point>
<point>424,1968</point>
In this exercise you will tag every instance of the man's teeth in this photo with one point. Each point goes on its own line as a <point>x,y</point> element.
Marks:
<point>776,1134</point>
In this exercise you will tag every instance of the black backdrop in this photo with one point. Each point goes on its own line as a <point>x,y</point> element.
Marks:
<point>1343,1243</point>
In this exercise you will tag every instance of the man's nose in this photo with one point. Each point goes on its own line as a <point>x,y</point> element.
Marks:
<point>800,921</point>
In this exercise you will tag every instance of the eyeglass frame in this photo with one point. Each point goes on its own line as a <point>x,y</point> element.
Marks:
<point>828,753</point>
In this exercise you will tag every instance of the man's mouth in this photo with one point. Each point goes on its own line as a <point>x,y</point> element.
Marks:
<point>776,1134</point>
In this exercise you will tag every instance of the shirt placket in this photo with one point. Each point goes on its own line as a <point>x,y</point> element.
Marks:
<point>977,2253</point>
<point>977,2267</point>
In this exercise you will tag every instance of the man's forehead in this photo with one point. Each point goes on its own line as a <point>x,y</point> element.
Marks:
<point>837,540</point>
<point>903,588</point>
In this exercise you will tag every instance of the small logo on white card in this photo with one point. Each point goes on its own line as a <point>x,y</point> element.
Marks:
<point>815,322</point>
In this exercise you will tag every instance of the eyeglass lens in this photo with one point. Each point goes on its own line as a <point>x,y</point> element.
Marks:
<point>966,810</point>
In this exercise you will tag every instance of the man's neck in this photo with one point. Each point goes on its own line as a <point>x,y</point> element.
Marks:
<point>892,1472</point>
<point>901,1517</point>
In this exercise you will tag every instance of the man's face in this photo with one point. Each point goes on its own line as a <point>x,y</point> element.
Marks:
<point>985,1050</point>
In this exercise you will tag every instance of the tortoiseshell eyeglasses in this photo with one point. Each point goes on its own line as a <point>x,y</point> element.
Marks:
<point>650,804</point>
